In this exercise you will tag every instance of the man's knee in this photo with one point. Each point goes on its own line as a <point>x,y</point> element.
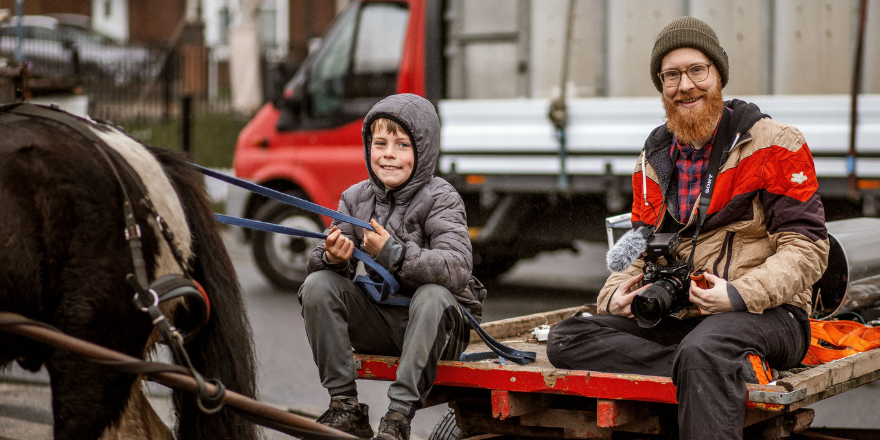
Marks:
<point>702,352</point>
<point>561,336</point>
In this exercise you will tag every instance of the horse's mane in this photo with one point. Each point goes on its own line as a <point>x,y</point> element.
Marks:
<point>229,326</point>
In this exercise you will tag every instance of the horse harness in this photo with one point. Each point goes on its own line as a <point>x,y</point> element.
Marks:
<point>148,295</point>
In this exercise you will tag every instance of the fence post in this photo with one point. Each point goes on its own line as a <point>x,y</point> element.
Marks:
<point>167,79</point>
<point>186,122</point>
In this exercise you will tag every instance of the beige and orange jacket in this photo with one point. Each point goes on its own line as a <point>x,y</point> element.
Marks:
<point>765,229</point>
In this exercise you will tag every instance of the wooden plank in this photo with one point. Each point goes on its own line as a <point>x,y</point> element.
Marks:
<point>833,373</point>
<point>867,362</point>
<point>474,418</point>
<point>611,413</point>
<point>841,371</point>
<point>645,425</point>
<point>512,404</point>
<point>628,416</point>
<point>800,420</point>
<point>576,424</point>
<point>757,416</point>
<point>836,389</point>
<point>814,379</point>
<point>508,328</point>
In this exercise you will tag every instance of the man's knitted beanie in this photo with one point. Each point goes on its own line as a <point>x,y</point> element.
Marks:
<point>688,32</point>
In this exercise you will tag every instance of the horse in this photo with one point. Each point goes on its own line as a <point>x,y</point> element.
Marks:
<point>65,259</point>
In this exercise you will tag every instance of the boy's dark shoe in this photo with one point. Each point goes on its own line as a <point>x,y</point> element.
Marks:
<point>394,426</point>
<point>346,414</point>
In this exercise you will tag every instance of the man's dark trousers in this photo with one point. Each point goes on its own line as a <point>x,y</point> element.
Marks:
<point>703,356</point>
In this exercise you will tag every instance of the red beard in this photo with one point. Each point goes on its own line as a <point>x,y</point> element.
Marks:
<point>694,125</point>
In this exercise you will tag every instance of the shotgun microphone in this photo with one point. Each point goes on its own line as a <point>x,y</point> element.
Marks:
<point>629,248</point>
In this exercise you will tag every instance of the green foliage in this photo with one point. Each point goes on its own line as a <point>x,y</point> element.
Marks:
<point>213,136</point>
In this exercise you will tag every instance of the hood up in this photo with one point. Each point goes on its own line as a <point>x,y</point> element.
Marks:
<point>418,117</point>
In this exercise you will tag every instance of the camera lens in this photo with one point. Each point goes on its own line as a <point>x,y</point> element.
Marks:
<point>655,302</point>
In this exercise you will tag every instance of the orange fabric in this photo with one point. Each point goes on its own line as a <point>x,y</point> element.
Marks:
<point>847,338</point>
<point>646,214</point>
<point>761,372</point>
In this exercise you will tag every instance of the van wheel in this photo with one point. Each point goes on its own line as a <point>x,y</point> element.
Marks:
<point>446,429</point>
<point>283,258</point>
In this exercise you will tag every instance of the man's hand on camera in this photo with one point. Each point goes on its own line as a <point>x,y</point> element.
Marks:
<point>714,299</point>
<point>621,299</point>
<point>338,248</point>
<point>373,241</point>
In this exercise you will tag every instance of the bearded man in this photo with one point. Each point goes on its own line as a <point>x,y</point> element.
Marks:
<point>759,234</point>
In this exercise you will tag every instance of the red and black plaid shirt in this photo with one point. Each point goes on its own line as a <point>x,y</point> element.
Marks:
<point>691,165</point>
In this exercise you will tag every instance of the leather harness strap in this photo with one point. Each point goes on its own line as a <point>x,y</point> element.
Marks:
<point>146,297</point>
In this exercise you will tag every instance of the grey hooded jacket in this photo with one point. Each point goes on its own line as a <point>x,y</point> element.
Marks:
<point>425,216</point>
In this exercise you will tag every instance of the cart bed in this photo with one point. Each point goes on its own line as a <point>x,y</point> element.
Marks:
<point>537,399</point>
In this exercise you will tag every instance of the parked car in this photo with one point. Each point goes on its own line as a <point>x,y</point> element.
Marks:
<point>65,46</point>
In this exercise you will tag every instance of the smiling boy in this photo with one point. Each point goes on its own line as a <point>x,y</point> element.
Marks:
<point>422,239</point>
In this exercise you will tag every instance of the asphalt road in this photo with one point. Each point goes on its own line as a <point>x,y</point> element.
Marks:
<point>288,377</point>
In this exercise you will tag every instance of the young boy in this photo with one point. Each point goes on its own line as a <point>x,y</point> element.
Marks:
<point>422,239</point>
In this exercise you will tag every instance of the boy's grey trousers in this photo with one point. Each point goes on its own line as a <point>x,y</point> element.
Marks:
<point>339,316</point>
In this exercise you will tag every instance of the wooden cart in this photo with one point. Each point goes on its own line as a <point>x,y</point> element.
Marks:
<point>488,399</point>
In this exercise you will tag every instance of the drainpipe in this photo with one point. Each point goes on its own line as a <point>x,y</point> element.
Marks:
<point>558,108</point>
<point>19,30</point>
<point>854,115</point>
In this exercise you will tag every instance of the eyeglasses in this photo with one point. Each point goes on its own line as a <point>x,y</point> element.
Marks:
<point>696,73</point>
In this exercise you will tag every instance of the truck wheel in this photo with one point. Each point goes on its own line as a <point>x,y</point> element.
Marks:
<point>446,429</point>
<point>283,258</point>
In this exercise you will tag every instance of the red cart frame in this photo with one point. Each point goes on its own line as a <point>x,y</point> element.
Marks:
<point>538,400</point>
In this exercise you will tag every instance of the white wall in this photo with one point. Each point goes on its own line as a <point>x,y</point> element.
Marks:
<point>111,18</point>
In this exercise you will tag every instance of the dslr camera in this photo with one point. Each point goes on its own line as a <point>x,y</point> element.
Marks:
<point>670,282</point>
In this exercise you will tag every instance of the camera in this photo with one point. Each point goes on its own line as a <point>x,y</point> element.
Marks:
<point>670,282</point>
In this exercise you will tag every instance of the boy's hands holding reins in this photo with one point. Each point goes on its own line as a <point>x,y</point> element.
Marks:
<point>374,241</point>
<point>337,247</point>
<point>621,300</point>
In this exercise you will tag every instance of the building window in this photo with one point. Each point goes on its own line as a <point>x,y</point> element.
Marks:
<point>224,25</point>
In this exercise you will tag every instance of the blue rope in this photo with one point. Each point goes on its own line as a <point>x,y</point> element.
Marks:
<point>389,286</point>
<point>282,197</point>
<point>500,350</point>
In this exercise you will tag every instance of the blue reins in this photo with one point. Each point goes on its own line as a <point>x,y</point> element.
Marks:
<point>378,292</point>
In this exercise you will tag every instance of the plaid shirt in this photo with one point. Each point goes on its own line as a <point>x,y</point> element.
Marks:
<point>691,165</point>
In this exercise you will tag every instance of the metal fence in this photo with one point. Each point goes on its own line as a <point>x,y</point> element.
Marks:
<point>124,83</point>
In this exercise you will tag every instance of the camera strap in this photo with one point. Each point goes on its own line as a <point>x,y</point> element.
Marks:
<point>709,178</point>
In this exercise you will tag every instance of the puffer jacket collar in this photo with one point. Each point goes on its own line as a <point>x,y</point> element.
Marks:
<point>419,119</point>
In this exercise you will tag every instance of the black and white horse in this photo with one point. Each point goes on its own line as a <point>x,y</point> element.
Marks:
<point>64,261</point>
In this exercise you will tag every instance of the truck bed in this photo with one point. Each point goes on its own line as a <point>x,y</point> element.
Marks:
<point>521,395</point>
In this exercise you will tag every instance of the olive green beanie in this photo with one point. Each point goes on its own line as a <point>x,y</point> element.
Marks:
<point>688,32</point>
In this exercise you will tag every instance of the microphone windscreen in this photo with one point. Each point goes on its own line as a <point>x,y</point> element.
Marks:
<point>626,250</point>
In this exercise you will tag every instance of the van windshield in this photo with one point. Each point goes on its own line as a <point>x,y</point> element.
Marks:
<point>359,61</point>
